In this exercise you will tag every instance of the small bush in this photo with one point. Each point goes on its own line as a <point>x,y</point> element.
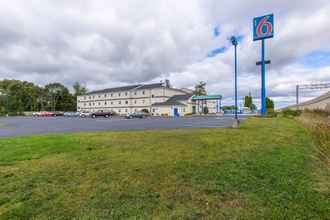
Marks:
<point>145,110</point>
<point>291,113</point>
<point>206,110</point>
<point>271,113</point>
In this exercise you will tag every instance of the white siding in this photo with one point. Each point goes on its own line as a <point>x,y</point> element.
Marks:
<point>126,101</point>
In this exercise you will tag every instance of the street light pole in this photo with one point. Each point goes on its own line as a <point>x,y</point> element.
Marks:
<point>234,43</point>
<point>236,82</point>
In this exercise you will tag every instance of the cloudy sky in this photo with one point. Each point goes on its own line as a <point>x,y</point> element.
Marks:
<point>104,43</point>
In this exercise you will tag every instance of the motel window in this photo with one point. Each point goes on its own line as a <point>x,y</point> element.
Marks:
<point>143,101</point>
<point>126,102</point>
<point>134,101</point>
<point>111,94</point>
<point>119,102</point>
<point>143,92</point>
<point>119,110</point>
<point>126,110</point>
<point>99,103</point>
<point>118,94</point>
<point>111,103</point>
<point>125,93</point>
<point>90,104</point>
<point>105,95</point>
<point>105,103</point>
<point>134,93</point>
<point>99,96</point>
<point>153,110</point>
<point>152,96</point>
<point>89,97</point>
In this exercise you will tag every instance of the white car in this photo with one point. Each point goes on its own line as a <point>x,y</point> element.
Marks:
<point>84,114</point>
<point>36,114</point>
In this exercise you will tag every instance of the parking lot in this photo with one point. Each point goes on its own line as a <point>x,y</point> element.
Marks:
<point>19,126</point>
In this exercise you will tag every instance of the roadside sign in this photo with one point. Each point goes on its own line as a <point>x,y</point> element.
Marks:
<point>263,27</point>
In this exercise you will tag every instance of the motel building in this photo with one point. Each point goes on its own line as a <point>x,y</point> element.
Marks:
<point>159,99</point>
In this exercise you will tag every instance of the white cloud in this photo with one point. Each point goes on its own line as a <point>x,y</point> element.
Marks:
<point>107,43</point>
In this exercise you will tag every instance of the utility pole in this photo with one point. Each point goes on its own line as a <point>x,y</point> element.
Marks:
<point>297,95</point>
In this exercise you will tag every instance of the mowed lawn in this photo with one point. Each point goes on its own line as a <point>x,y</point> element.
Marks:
<point>267,169</point>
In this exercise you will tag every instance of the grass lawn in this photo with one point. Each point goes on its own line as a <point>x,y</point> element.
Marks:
<point>267,169</point>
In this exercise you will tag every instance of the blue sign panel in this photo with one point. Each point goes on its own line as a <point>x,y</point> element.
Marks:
<point>263,27</point>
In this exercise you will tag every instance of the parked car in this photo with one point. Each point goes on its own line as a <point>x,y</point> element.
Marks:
<point>58,114</point>
<point>46,114</point>
<point>36,114</point>
<point>101,114</point>
<point>84,114</point>
<point>71,114</point>
<point>137,115</point>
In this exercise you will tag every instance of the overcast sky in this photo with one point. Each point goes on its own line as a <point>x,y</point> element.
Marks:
<point>105,43</point>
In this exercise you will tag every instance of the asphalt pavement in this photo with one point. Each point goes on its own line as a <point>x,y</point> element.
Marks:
<point>21,126</point>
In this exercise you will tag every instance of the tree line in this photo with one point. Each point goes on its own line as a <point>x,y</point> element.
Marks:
<point>18,96</point>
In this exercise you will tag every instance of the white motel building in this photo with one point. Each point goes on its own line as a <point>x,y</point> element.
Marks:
<point>159,99</point>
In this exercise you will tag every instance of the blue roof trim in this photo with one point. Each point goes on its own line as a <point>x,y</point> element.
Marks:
<point>207,97</point>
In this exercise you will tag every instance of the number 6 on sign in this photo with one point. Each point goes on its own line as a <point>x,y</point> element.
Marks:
<point>263,27</point>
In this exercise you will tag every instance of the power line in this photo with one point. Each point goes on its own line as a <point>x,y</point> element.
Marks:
<point>311,86</point>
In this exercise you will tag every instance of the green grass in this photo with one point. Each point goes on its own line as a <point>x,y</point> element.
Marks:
<point>264,170</point>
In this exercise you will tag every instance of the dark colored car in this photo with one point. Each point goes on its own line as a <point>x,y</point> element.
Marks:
<point>101,114</point>
<point>137,115</point>
<point>58,114</point>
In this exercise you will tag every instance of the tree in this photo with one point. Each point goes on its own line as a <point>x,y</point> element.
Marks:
<point>59,98</point>
<point>18,96</point>
<point>248,102</point>
<point>200,89</point>
<point>78,89</point>
<point>269,104</point>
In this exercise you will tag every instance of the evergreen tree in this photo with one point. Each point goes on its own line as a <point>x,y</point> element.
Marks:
<point>248,102</point>
<point>200,89</point>
<point>269,104</point>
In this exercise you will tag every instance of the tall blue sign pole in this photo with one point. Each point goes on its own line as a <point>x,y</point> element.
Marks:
<point>263,79</point>
<point>263,28</point>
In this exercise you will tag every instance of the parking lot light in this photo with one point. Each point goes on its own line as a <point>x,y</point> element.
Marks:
<point>234,42</point>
